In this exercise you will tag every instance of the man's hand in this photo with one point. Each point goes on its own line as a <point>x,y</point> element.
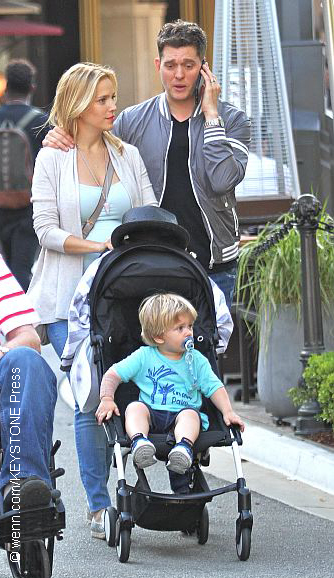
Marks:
<point>210,93</point>
<point>105,410</point>
<point>57,138</point>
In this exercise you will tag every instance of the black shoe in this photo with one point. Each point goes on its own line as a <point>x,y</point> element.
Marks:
<point>31,493</point>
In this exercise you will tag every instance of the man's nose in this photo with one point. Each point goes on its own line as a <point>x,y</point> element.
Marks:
<point>179,72</point>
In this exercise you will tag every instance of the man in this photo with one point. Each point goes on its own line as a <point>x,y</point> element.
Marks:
<point>195,153</point>
<point>28,393</point>
<point>17,236</point>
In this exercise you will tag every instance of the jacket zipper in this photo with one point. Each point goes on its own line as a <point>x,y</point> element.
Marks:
<point>197,201</point>
<point>165,164</point>
<point>236,222</point>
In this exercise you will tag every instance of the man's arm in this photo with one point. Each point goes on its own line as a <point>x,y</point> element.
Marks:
<point>57,138</point>
<point>25,335</point>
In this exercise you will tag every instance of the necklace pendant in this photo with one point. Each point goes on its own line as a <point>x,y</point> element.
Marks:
<point>106,207</point>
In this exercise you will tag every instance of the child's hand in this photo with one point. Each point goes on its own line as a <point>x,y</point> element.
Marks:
<point>105,410</point>
<point>232,418</point>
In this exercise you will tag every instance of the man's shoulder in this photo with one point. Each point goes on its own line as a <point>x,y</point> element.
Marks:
<point>17,111</point>
<point>141,107</point>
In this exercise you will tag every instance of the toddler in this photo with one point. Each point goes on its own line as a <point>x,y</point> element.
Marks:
<point>171,381</point>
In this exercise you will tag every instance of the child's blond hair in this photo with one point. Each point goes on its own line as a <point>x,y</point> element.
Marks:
<point>159,312</point>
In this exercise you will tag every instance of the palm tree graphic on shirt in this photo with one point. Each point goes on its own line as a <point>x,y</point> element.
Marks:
<point>155,375</point>
<point>164,390</point>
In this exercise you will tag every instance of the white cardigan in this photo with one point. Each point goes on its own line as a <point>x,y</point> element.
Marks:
<point>56,207</point>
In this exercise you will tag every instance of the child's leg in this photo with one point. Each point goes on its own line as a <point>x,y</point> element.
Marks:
<point>186,431</point>
<point>137,424</point>
<point>137,419</point>
<point>187,425</point>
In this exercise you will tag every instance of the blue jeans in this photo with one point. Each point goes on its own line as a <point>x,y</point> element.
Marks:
<point>28,394</point>
<point>226,282</point>
<point>94,454</point>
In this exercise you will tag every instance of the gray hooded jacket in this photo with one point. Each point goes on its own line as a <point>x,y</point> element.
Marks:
<point>217,162</point>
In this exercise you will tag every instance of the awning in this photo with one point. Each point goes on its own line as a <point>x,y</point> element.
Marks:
<point>10,7</point>
<point>10,27</point>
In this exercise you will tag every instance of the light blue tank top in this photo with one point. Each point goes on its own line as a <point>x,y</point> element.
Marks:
<point>119,202</point>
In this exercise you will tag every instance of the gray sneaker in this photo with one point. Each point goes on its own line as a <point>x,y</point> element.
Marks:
<point>97,529</point>
<point>180,459</point>
<point>143,453</point>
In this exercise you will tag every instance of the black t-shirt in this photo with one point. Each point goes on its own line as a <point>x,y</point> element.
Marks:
<point>179,197</point>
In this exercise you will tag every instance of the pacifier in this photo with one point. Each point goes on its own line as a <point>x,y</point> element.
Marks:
<point>188,343</point>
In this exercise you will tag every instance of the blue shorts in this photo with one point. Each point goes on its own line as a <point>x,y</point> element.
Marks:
<point>163,421</point>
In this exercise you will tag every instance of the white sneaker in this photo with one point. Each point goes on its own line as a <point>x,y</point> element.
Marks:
<point>143,453</point>
<point>180,459</point>
<point>97,528</point>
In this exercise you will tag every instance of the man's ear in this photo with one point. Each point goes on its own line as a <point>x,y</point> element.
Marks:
<point>157,64</point>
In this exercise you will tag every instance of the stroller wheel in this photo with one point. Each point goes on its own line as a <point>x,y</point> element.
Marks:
<point>110,518</point>
<point>243,545</point>
<point>123,545</point>
<point>203,527</point>
<point>33,563</point>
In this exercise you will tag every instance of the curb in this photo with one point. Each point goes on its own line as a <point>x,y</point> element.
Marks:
<point>299,459</point>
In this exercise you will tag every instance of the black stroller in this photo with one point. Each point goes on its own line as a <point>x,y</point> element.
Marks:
<point>29,536</point>
<point>134,270</point>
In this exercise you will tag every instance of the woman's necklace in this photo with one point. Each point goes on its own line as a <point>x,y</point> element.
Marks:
<point>93,175</point>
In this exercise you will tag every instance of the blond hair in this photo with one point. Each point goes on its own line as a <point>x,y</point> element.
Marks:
<point>75,92</point>
<point>159,312</point>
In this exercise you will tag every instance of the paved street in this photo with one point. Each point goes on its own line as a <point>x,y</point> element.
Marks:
<point>287,543</point>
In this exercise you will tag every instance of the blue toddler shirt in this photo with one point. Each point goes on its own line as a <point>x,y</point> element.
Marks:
<point>166,384</point>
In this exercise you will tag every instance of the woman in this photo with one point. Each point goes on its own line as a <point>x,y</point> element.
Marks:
<point>67,189</point>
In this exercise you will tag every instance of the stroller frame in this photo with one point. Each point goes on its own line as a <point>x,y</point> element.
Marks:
<point>38,527</point>
<point>138,505</point>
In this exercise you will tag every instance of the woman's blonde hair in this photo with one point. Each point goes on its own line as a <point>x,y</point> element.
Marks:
<point>159,312</point>
<point>75,92</point>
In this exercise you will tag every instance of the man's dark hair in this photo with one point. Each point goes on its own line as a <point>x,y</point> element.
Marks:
<point>181,33</point>
<point>20,75</point>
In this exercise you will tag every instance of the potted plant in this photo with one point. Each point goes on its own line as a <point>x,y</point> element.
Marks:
<point>319,385</point>
<point>270,283</point>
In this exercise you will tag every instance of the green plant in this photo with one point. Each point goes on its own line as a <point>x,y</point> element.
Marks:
<point>273,278</point>
<point>318,385</point>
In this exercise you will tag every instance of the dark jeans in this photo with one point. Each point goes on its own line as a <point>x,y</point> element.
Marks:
<point>19,242</point>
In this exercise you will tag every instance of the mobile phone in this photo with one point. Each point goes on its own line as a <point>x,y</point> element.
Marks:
<point>198,85</point>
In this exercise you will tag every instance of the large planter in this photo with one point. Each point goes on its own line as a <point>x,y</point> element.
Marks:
<point>279,366</point>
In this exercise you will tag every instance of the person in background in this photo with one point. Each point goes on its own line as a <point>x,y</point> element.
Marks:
<point>78,199</point>
<point>17,236</point>
<point>25,400</point>
<point>195,148</point>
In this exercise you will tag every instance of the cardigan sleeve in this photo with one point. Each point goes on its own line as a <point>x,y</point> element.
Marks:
<point>145,191</point>
<point>44,198</point>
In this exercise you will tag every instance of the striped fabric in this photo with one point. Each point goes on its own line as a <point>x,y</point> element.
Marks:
<point>15,307</point>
